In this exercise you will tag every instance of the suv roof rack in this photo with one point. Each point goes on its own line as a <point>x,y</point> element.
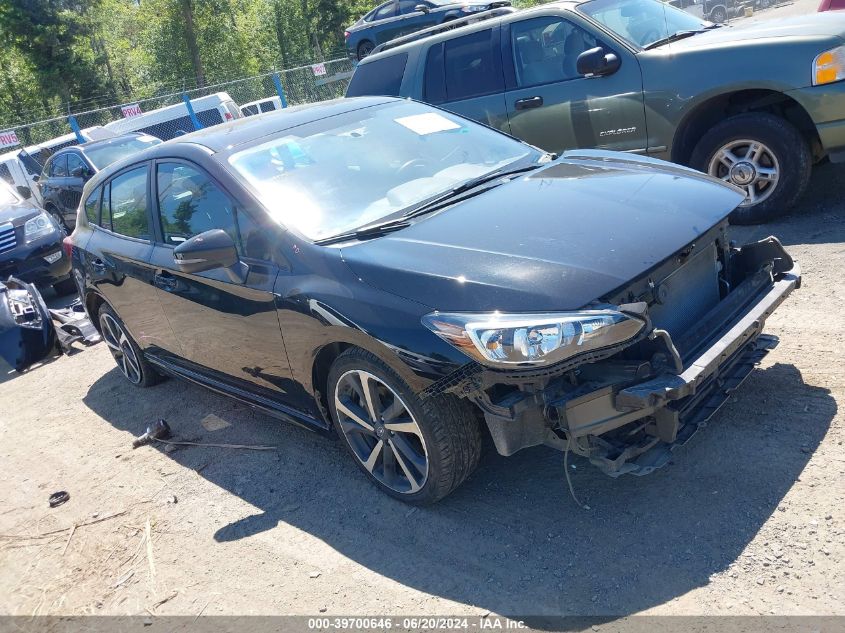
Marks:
<point>445,26</point>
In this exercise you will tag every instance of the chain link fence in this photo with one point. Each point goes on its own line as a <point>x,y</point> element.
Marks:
<point>177,113</point>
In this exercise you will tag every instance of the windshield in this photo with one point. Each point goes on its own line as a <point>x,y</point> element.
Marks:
<point>102,156</point>
<point>641,22</point>
<point>344,172</point>
<point>6,195</point>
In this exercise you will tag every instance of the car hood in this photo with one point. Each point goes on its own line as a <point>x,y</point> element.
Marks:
<point>807,28</point>
<point>18,213</point>
<point>557,239</point>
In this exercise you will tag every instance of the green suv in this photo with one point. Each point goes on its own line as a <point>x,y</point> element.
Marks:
<point>753,105</point>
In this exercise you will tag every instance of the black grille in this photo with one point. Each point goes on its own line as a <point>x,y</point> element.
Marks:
<point>7,238</point>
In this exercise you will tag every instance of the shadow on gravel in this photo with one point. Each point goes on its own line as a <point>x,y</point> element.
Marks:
<point>510,540</point>
<point>818,218</point>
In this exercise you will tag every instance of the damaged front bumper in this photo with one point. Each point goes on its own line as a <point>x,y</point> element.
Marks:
<point>627,412</point>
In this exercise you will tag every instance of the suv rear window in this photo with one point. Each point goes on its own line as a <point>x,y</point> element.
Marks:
<point>381,77</point>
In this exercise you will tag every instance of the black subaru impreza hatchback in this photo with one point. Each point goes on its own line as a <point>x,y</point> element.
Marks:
<point>407,278</point>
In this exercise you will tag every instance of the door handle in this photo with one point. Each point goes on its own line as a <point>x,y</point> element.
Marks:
<point>528,102</point>
<point>99,265</point>
<point>165,280</point>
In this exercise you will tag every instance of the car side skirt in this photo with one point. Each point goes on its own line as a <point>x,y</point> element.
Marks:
<point>257,401</point>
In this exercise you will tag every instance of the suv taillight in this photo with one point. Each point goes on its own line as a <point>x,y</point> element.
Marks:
<point>67,246</point>
<point>346,35</point>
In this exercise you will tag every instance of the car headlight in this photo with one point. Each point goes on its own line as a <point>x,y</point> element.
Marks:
<point>533,339</point>
<point>39,226</point>
<point>829,66</point>
<point>473,8</point>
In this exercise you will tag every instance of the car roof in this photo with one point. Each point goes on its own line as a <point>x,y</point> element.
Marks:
<point>97,143</point>
<point>228,135</point>
<point>466,29</point>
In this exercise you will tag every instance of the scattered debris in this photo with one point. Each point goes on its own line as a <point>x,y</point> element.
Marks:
<point>172,499</point>
<point>166,599</point>
<point>314,574</point>
<point>69,536</point>
<point>155,431</point>
<point>149,539</point>
<point>124,578</point>
<point>207,445</point>
<point>58,498</point>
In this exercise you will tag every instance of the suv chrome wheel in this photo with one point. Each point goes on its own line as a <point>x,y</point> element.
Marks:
<point>748,164</point>
<point>120,347</point>
<point>381,431</point>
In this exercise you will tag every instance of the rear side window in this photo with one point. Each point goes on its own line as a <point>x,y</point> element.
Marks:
<point>127,204</point>
<point>92,207</point>
<point>472,66</point>
<point>267,106</point>
<point>382,77</point>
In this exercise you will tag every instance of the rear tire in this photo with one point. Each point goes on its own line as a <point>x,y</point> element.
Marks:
<point>128,356</point>
<point>416,450</point>
<point>719,15</point>
<point>778,149</point>
<point>364,48</point>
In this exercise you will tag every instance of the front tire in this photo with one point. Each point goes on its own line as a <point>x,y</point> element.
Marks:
<point>416,450</point>
<point>128,356</point>
<point>761,153</point>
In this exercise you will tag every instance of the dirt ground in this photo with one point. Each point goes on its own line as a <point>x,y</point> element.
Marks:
<point>749,519</point>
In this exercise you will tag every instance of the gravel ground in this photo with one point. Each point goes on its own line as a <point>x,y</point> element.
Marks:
<point>749,519</point>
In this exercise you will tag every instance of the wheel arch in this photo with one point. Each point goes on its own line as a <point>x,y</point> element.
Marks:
<point>93,301</point>
<point>325,356</point>
<point>719,107</point>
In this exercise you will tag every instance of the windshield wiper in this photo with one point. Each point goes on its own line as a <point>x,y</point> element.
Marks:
<point>366,232</point>
<point>445,198</point>
<point>679,36</point>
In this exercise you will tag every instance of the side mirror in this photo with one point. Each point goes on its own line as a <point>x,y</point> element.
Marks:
<point>597,62</point>
<point>36,178</point>
<point>424,8</point>
<point>209,250</point>
<point>26,192</point>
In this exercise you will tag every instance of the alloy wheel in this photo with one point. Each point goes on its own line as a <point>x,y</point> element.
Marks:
<point>120,347</point>
<point>381,431</point>
<point>750,165</point>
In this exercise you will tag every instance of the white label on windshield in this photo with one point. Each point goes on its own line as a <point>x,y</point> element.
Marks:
<point>427,123</point>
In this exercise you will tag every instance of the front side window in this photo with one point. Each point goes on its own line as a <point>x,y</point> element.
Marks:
<point>92,206</point>
<point>407,6</point>
<point>127,204</point>
<point>642,22</point>
<point>546,50</point>
<point>58,166</point>
<point>349,170</point>
<point>75,166</point>
<point>381,78</point>
<point>471,66</point>
<point>385,11</point>
<point>190,203</point>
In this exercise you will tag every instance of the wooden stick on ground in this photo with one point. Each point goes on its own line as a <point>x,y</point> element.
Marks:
<point>69,536</point>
